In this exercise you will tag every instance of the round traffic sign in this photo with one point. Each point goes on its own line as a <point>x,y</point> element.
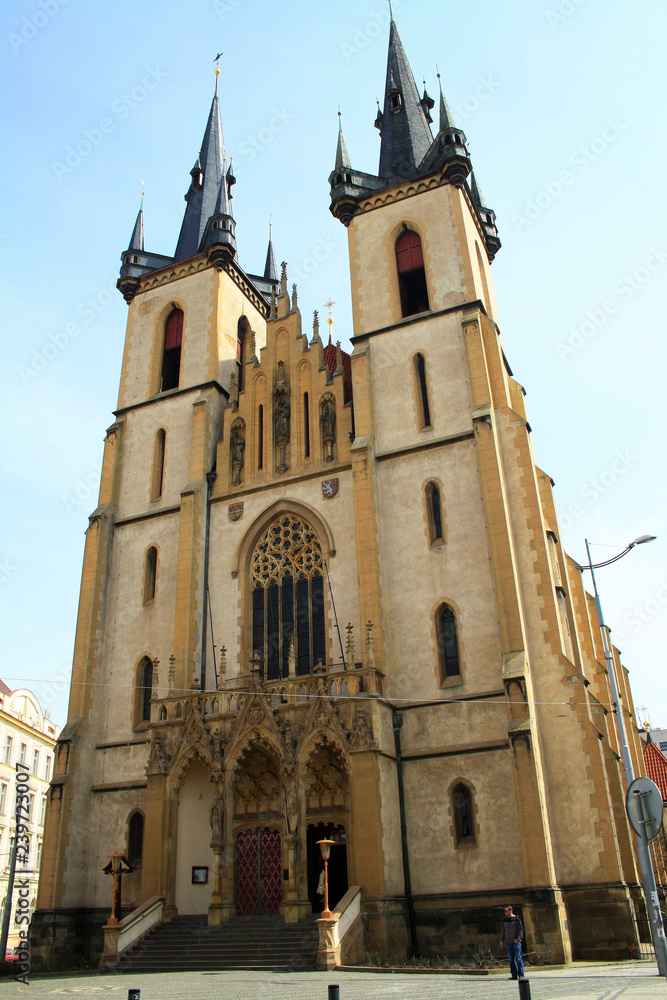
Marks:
<point>643,804</point>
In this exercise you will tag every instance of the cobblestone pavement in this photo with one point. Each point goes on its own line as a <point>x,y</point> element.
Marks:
<point>623,981</point>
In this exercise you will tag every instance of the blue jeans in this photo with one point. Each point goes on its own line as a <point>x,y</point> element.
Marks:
<point>516,961</point>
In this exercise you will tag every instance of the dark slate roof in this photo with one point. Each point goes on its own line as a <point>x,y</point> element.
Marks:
<point>342,155</point>
<point>446,116</point>
<point>406,135</point>
<point>270,268</point>
<point>201,199</point>
<point>137,241</point>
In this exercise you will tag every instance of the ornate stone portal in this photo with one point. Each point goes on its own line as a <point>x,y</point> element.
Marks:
<point>273,771</point>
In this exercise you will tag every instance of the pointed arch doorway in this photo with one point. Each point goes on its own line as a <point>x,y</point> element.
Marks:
<point>259,886</point>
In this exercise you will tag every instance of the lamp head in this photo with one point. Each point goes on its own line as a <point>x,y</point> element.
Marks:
<point>325,847</point>
<point>644,538</point>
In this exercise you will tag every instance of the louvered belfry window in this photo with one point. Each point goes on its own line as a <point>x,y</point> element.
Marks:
<point>411,274</point>
<point>288,597</point>
<point>171,360</point>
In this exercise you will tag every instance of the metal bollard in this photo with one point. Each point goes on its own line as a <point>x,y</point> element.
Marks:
<point>334,993</point>
<point>524,989</point>
<point>133,994</point>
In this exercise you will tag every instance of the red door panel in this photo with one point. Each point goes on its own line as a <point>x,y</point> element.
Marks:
<point>258,871</point>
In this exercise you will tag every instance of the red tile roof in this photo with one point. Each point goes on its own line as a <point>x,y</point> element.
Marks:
<point>656,766</point>
<point>330,362</point>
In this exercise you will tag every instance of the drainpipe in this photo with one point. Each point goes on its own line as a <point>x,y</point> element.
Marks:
<point>397,720</point>
<point>210,479</point>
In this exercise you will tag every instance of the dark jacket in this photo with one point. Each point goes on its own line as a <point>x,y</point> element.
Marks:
<point>512,930</point>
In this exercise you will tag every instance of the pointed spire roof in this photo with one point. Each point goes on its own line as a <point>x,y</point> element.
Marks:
<point>446,116</point>
<point>204,190</point>
<point>270,267</point>
<point>478,197</point>
<point>406,136</point>
<point>342,155</point>
<point>137,241</point>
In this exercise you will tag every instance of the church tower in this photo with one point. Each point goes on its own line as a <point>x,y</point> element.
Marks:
<point>324,596</point>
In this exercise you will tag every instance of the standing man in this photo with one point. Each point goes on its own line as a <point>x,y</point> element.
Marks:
<point>512,936</point>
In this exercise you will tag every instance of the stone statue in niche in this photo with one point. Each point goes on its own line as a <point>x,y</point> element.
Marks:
<point>328,422</point>
<point>281,413</point>
<point>215,816</point>
<point>237,448</point>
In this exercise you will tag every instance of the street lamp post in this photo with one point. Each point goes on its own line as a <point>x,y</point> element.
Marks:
<point>646,867</point>
<point>325,847</point>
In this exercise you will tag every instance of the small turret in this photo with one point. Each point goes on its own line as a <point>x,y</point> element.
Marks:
<point>135,261</point>
<point>487,216</point>
<point>270,267</point>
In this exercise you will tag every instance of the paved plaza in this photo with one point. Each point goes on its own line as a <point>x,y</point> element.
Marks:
<point>626,980</point>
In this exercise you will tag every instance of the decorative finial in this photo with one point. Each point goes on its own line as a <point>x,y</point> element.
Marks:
<point>391,13</point>
<point>270,223</point>
<point>217,70</point>
<point>329,305</point>
<point>143,192</point>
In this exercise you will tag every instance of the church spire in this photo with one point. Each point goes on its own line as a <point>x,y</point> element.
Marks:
<point>204,190</point>
<point>406,136</point>
<point>137,241</point>
<point>270,268</point>
<point>446,116</point>
<point>342,155</point>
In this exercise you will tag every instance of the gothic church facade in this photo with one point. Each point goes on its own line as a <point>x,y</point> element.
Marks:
<point>324,594</point>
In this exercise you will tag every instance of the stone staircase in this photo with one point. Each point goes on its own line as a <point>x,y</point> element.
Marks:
<point>188,943</point>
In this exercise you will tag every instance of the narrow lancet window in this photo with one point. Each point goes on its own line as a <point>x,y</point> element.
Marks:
<point>260,437</point>
<point>420,367</point>
<point>306,426</point>
<point>157,483</point>
<point>464,822</point>
<point>434,509</point>
<point>150,574</point>
<point>448,644</point>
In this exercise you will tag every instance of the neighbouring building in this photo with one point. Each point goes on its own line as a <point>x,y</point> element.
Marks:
<point>655,768</point>
<point>326,593</point>
<point>27,737</point>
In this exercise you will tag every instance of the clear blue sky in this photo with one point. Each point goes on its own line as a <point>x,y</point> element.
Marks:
<point>563,105</point>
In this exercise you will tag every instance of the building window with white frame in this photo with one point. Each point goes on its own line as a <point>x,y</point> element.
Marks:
<point>38,856</point>
<point>47,769</point>
<point>22,752</point>
<point>31,805</point>
<point>3,797</point>
<point>8,750</point>
<point>42,815</point>
<point>35,761</point>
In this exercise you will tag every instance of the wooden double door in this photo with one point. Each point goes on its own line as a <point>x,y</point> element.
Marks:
<point>259,876</point>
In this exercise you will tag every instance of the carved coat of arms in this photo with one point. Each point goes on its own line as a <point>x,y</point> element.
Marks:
<point>329,488</point>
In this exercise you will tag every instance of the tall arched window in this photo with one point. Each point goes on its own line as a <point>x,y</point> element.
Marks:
<point>448,644</point>
<point>260,437</point>
<point>157,479</point>
<point>150,574</point>
<point>144,690</point>
<point>434,511</point>
<point>306,427</point>
<point>171,359</point>
<point>464,819</point>
<point>411,273</point>
<point>135,838</point>
<point>288,597</point>
<point>422,388</point>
